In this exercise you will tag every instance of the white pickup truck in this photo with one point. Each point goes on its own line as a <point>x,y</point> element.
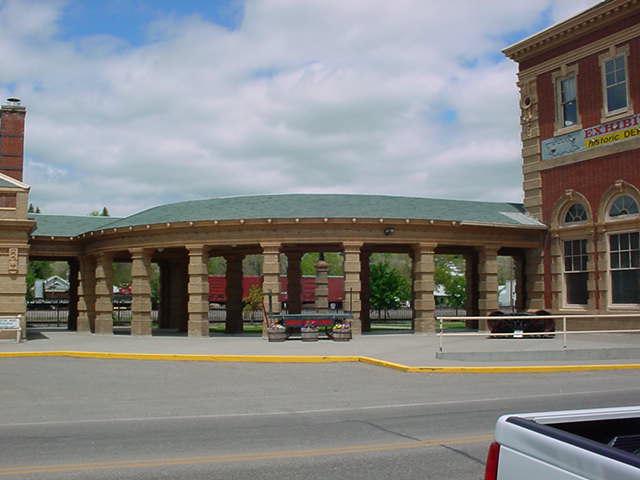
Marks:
<point>599,444</point>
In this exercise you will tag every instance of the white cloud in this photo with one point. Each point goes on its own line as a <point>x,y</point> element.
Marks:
<point>325,96</point>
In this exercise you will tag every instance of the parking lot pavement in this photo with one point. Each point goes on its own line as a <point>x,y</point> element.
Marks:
<point>87,418</point>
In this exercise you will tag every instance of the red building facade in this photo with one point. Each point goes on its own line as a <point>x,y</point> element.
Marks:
<point>580,116</point>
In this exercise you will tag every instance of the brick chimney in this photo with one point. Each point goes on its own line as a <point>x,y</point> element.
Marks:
<point>12,115</point>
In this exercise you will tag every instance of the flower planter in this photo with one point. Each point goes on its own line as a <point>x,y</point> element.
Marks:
<point>341,336</point>
<point>277,335</point>
<point>310,336</point>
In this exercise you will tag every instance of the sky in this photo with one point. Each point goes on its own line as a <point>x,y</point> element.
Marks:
<point>136,103</point>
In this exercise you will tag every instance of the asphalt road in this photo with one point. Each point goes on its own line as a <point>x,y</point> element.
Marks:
<point>95,419</point>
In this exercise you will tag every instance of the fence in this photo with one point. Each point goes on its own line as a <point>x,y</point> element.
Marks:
<point>520,334</point>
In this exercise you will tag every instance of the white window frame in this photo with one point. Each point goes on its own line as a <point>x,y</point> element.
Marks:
<point>565,291</point>
<point>612,54</point>
<point>621,218</point>
<point>610,304</point>
<point>557,77</point>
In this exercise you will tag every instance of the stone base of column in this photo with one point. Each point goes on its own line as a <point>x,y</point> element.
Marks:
<point>198,328</point>
<point>104,324</point>
<point>141,327</point>
<point>425,322</point>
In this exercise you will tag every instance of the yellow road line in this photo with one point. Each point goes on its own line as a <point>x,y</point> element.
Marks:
<point>243,457</point>
<point>326,359</point>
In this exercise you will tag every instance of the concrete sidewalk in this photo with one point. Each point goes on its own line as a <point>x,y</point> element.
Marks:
<point>405,349</point>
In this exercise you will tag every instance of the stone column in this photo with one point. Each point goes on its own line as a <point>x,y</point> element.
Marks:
<point>471,290</point>
<point>534,279</point>
<point>487,283</point>
<point>233,292</point>
<point>271,275</point>
<point>365,294</point>
<point>423,285</point>
<point>352,284</point>
<point>14,262</point>
<point>294,278</point>
<point>72,315</point>
<point>140,291</point>
<point>322,285</point>
<point>104,294</point>
<point>198,291</point>
<point>87,294</point>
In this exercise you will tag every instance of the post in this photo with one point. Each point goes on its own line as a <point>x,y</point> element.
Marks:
<point>86,294</point>
<point>440,334</point>
<point>104,294</point>
<point>198,291</point>
<point>294,277</point>
<point>234,321</point>
<point>564,333</point>
<point>271,277</point>
<point>423,300</point>
<point>365,293</point>
<point>140,291</point>
<point>322,285</point>
<point>488,282</point>
<point>352,282</point>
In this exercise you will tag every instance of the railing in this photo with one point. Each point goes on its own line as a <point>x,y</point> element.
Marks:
<point>564,332</point>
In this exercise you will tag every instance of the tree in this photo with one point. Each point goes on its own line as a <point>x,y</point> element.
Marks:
<point>388,288</point>
<point>37,270</point>
<point>456,290</point>
<point>100,213</point>
<point>31,209</point>
<point>253,300</point>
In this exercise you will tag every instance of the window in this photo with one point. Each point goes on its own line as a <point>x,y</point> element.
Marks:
<point>615,81</point>
<point>576,213</point>
<point>624,251</point>
<point>568,101</point>
<point>575,272</point>
<point>623,205</point>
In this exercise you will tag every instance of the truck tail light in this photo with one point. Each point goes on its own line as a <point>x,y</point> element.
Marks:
<point>491,470</point>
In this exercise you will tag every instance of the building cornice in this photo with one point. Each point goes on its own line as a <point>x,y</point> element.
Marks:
<point>595,18</point>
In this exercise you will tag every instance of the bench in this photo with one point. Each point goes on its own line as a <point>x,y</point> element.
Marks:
<point>12,324</point>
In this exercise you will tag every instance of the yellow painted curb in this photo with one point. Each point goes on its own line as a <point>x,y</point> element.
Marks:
<point>324,359</point>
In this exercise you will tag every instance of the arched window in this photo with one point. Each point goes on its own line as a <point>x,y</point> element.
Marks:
<point>576,213</point>
<point>623,205</point>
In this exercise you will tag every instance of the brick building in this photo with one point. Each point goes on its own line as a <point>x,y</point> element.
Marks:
<point>580,114</point>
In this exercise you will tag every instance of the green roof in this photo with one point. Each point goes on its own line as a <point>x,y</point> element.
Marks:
<point>6,184</point>
<point>298,206</point>
<point>66,225</point>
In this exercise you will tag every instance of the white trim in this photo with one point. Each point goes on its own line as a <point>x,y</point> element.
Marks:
<point>610,305</point>
<point>564,305</point>
<point>612,54</point>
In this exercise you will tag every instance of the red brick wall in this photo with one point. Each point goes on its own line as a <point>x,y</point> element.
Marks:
<point>12,143</point>
<point>591,178</point>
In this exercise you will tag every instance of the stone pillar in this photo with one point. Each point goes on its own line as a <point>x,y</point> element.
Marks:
<point>87,295</point>
<point>104,294</point>
<point>487,283</point>
<point>233,292</point>
<point>72,315</point>
<point>534,279</point>
<point>140,291</point>
<point>471,290</point>
<point>423,300</point>
<point>271,275</point>
<point>198,291</point>
<point>294,286</point>
<point>365,294</point>
<point>164,306</point>
<point>322,285</point>
<point>14,262</point>
<point>352,284</point>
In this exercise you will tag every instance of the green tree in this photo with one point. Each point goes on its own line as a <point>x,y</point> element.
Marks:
<point>253,300</point>
<point>37,270</point>
<point>456,290</point>
<point>309,260</point>
<point>100,213</point>
<point>388,287</point>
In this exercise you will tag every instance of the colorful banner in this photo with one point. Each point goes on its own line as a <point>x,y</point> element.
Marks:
<point>592,137</point>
